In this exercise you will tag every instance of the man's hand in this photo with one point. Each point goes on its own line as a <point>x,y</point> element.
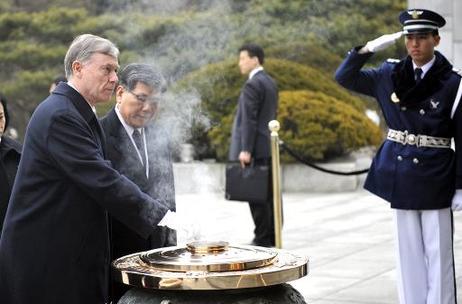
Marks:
<point>457,200</point>
<point>381,43</point>
<point>244,158</point>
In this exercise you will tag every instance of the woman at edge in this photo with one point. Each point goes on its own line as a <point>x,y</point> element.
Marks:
<point>10,153</point>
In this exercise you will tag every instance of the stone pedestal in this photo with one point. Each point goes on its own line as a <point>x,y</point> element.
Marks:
<point>278,294</point>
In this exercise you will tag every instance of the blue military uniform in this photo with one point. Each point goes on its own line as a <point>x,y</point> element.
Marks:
<point>406,175</point>
<point>415,168</point>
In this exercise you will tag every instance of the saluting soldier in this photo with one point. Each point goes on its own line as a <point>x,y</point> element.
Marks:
<point>415,169</point>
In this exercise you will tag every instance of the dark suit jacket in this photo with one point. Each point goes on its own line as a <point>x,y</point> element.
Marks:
<point>55,241</point>
<point>10,153</point>
<point>256,107</point>
<point>160,184</point>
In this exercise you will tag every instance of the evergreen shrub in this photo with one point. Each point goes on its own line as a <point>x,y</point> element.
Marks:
<point>219,85</point>
<point>317,126</point>
<point>320,127</point>
<point>308,52</point>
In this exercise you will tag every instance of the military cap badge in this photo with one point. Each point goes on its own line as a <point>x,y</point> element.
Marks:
<point>415,14</point>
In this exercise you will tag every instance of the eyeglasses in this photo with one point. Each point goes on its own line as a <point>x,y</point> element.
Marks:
<point>152,100</point>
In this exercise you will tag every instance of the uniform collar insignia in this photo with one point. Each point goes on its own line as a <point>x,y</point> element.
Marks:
<point>408,92</point>
<point>434,103</point>
<point>394,98</point>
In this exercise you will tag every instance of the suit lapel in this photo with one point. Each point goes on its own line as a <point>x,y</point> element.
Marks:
<point>120,141</point>
<point>102,136</point>
<point>85,111</point>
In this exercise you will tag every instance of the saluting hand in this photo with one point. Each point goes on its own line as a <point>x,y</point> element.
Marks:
<point>382,42</point>
<point>457,200</point>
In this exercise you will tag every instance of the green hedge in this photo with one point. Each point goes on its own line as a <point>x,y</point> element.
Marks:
<point>32,49</point>
<point>319,127</point>
<point>219,85</point>
<point>308,52</point>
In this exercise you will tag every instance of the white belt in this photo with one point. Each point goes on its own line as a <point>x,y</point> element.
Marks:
<point>418,140</point>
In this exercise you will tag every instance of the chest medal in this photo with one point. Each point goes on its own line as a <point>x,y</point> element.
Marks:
<point>434,104</point>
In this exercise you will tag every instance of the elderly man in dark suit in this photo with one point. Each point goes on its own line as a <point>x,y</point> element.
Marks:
<point>55,240</point>
<point>139,149</point>
<point>250,139</point>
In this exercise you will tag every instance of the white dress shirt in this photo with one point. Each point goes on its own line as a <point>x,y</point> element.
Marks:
<point>129,129</point>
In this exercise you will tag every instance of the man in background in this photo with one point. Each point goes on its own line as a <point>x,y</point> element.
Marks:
<point>250,138</point>
<point>139,149</point>
<point>56,81</point>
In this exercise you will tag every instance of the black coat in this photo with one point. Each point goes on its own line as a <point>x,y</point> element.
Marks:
<point>256,107</point>
<point>55,242</point>
<point>10,153</point>
<point>160,184</point>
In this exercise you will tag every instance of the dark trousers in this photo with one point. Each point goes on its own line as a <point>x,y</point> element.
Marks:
<point>263,217</point>
<point>263,214</point>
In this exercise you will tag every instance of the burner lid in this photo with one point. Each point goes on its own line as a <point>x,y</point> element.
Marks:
<point>208,256</point>
<point>209,266</point>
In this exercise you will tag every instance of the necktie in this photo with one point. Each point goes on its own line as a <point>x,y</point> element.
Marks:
<point>139,144</point>
<point>418,75</point>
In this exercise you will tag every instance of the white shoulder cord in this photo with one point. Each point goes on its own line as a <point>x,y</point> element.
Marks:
<point>454,108</point>
<point>457,100</point>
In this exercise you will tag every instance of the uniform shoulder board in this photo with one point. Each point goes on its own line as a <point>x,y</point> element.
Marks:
<point>458,71</point>
<point>392,60</point>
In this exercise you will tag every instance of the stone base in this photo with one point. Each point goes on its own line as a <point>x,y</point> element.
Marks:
<point>278,294</point>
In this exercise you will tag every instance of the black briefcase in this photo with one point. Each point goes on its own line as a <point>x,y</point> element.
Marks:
<point>249,184</point>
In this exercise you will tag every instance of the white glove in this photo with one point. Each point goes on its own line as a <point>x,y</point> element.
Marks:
<point>457,200</point>
<point>382,42</point>
<point>170,220</point>
<point>179,223</point>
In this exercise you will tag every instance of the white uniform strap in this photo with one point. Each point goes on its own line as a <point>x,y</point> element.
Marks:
<point>457,100</point>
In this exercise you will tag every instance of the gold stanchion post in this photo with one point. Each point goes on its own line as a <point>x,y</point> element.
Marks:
<point>276,169</point>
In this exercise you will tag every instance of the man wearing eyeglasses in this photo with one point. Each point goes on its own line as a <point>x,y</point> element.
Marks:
<point>139,149</point>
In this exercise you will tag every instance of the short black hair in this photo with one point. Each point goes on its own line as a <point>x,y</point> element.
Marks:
<point>254,50</point>
<point>58,79</point>
<point>4,103</point>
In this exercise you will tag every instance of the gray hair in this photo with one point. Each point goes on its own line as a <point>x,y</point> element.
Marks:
<point>84,46</point>
<point>141,72</point>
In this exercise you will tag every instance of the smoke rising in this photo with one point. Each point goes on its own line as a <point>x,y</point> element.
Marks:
<point>178,112</point>
<point>183,44</point>
<point>179,48</point>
